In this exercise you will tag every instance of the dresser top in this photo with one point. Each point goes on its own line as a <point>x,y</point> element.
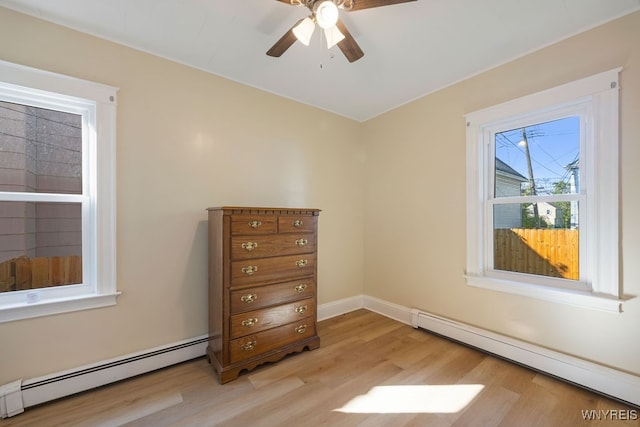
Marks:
<point>265,210</point>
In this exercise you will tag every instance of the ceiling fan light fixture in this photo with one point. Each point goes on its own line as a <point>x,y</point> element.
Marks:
<point>304,30</point>
<point>326,13</point>
<point>333,36</point>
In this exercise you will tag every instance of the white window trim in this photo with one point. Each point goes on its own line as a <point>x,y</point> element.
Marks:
<point>603,290</point>
<point>97,102</point>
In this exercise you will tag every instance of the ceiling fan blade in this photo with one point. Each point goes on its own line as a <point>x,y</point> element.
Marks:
<point>368,4</point>
<point>284,43</point>
<point>349,46</point>
<point>287,2</point>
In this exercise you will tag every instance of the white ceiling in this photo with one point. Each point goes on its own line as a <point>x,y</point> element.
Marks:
<point>411,49</point>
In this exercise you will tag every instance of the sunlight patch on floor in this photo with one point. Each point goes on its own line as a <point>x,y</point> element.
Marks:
<point>413,399</point>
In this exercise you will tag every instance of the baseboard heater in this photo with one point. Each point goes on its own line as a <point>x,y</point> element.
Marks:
<point>16,396</point>
<point>610,382</point>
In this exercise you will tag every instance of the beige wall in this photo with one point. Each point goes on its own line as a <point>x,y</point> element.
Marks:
<point>186,140</point>
<point>415,201</point>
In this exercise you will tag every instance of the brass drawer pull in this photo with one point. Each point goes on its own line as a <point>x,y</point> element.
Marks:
<point>249,246</point>
<point>301,287</point>
<point>297,223</point>
<point>250,322</point>
<point>301,329</point>
<point>250,269</point>
<point>302,263</point>
<point>250,345</point>
<point>255,224</point>
<point>301,309</point>
<point>302,242</point>
<point>248,298</point>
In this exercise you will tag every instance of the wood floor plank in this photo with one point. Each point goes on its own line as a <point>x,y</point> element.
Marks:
<point>220,415</point>
<point>135,411</point>
<point>421,377</point>
<point>286,409</point>
<point>327,412</point>
<point>533,408</point>
<point>488,409</point>
<point>326,355</point>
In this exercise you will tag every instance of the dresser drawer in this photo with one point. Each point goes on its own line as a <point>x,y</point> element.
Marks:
<point>272,269</point>
<point>246,247</point>
<point>264,296</point>
<point>259,320</point>
<point>271,339</point>
<point>297,224</point>
<point>253,224</point>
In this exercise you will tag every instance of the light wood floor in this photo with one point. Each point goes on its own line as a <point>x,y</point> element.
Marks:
<point>375,363</point>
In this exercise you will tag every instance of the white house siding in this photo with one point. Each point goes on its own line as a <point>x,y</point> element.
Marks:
<point>551,214</point>
<point>507,216</point>
<point>41,152</point>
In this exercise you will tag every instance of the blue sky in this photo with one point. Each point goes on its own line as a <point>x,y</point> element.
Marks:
<point>552,146</point>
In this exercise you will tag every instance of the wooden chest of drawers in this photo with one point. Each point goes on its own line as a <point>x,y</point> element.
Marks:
<point>262,286</point>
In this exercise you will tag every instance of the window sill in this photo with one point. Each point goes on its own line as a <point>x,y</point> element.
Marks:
<point>47,308</point>
<point>586,300</point>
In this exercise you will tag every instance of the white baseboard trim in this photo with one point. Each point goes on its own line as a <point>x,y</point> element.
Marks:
<point>336,308</point>
<point>611,382</point>
<point>394,311</point>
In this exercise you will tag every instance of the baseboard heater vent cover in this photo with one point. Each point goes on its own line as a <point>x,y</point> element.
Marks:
<point>610,382</point>
<point>44,389</point>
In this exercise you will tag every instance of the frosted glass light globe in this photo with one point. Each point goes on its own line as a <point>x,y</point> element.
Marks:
<point>326,14</point>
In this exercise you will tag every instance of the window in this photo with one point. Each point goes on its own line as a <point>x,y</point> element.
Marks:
<point>536,172</point>
<point>542,195</point>
<point>57,193</point>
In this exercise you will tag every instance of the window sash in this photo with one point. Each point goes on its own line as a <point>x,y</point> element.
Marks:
<point>536,199</point>
<point>579,108</point>
<point>85,109</point>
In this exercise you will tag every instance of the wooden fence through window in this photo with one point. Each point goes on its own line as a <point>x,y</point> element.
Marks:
<point>552,252</point>
<point>23,273</point>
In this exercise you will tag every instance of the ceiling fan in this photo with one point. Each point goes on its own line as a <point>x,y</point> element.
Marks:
<point>325,14</point>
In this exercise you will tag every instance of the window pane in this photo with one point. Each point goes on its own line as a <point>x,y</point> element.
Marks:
<point>545,245</point>
<point>41,150</point>
<point>541,159</point>
<point>40,245</point>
